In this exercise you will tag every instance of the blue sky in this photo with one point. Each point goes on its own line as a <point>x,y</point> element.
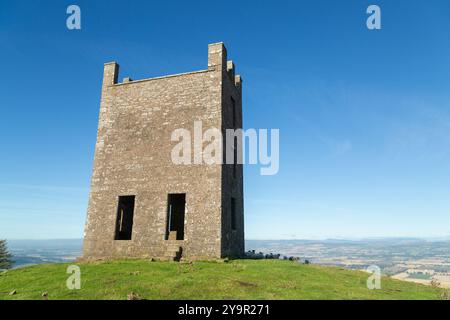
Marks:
<point>364,116</point>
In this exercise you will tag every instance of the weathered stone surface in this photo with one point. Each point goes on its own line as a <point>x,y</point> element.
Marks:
<point>133,157</point>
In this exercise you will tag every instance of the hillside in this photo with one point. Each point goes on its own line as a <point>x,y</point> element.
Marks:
<point>238,279</point>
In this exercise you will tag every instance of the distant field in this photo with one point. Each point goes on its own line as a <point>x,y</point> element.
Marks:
<point>393,255</point>
<point>238,279</point>
<point>420,276</point>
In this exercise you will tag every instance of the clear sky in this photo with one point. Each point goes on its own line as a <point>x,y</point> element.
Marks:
<point>364,116</point>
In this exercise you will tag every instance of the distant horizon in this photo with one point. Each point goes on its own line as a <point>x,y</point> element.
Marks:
<point>437,238</point>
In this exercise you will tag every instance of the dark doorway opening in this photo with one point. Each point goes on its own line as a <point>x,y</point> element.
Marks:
<point>124,223</point>
<point>175,216</point>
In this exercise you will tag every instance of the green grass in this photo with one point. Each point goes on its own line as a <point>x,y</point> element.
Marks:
<point>236,279</point>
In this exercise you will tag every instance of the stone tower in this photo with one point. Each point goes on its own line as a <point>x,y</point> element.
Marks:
<point>141,204</point>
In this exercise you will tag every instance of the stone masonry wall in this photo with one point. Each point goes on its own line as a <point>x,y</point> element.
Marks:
<point>133,157</point>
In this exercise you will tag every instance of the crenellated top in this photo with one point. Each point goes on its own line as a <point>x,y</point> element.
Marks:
<point>217,60</point>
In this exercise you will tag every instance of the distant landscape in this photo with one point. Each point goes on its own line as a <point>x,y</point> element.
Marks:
<point>27,252</point>
<point>407,259</point>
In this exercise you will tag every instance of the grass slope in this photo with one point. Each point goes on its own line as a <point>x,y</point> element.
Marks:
<point>238,279</point>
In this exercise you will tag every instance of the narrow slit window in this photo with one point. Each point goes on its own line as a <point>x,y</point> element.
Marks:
<point>235,157</point>
<point>124,223</point>
<point>233,214</point>
<point>233,110</point>
<point>233,106</point>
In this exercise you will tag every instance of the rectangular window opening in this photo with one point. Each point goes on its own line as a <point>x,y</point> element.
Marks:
<point>175,216</point>
<point>124,223</point>
<point>233,214</point>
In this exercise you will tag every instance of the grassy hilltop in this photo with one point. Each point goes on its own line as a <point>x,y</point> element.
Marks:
<point>237,279</point>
